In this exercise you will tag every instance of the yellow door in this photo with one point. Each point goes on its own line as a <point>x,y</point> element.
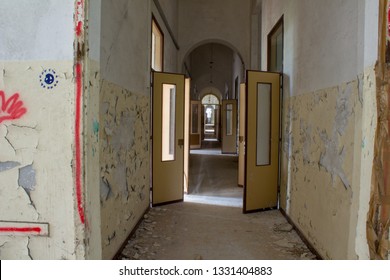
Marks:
<point>262,141</point>
<point>241,138</point>
<point>229,126</point>
<point>168,138</point>
<point>195,135</point>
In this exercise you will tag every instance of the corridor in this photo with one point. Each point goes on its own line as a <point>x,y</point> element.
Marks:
<point>105,106</point>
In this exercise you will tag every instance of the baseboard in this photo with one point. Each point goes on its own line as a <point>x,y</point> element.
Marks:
<point>118,254</point>
<point>302,236</point>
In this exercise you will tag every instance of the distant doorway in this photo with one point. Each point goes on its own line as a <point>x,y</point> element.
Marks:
<point>211,118</point>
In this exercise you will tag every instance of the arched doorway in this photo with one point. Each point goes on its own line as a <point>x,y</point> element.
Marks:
<point>211,118</point>
<point>216,71</point>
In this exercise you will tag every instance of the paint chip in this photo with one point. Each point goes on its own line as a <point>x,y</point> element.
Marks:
<point>27,178</point>
<point>4,166</point>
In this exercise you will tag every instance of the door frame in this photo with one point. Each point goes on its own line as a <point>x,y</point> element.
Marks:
<point>278,24</point>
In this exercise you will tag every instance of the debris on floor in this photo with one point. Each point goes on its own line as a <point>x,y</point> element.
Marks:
<point>192,231</point>
<point>290,242</point>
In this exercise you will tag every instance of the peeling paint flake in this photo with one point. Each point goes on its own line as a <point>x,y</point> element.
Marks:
<point>4,166</point>
<point>332,160</point>
<point>27,178</point>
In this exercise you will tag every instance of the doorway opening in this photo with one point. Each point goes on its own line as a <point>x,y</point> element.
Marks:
<point>215,69</point>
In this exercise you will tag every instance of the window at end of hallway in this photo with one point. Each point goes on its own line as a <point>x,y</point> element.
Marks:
<point>157,47</point>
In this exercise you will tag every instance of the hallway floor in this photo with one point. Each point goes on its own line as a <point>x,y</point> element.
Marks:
<point>188,231</point>
<point>200,228</point>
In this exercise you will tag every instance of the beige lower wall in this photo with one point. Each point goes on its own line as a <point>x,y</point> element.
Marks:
<point>124,163</point>
<point>326,144</point>
<point>36,155</point>
<point>91,160</point>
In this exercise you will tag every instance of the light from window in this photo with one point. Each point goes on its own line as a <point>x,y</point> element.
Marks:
<point>157,47</point>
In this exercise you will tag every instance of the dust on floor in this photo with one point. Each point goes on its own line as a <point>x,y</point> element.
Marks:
<point>188,231</point>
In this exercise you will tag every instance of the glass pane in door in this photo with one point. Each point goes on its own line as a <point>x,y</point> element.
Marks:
<point>168,122</point>
<point>263,124</point>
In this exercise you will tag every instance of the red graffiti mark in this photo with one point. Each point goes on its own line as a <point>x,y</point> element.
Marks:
<point>79,23</point>
<point>79,84</point>
<point>20,229</point>
<point>79,17</point>
<point>12,108</point>
<point>388,22</point>
<point>79,28</point>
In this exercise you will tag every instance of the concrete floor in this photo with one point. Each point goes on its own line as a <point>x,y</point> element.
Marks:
<point>188,230</point>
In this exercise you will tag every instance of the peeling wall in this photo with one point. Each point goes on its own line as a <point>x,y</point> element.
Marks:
<point>91,132</point>
<point>123,118</point>
<point>36,154</point>
<point>124,163</point>
<point>326,165</point>
<point>328,118</point>
<point>38,201</point>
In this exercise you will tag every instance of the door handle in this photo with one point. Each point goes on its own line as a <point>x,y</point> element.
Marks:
<point>180,142</point>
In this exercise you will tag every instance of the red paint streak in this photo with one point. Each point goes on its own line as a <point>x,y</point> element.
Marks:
<point>79,18</point>
<point>79,22</point>
<point>79,84</point>
<point>79,28</point>
<point>23,229</point>
<point>388,22</point>
<point>12,108</point>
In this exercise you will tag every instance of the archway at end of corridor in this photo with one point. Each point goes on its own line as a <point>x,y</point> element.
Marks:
<point>216,71</point>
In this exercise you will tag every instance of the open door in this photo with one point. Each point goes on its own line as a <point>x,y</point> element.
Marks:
<point>241,138</point>
<point>262,141</point>
<point>168,138</point>
<point>229,126</point>
<point>195,136</point>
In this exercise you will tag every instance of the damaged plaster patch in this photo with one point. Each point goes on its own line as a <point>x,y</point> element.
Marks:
<point>22,137</point>
<point>124,157</point>
<point>105,189</point>
<point>4,166</point>
<point>27,178</point>
<point>306,131</point>
<point>332,159</point>
<point>343,109</point>
<point>288,135</point>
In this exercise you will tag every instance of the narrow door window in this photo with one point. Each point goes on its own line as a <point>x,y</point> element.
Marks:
<point>168,122</point>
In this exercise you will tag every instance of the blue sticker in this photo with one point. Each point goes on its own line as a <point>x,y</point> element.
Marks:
<point>48,79</point>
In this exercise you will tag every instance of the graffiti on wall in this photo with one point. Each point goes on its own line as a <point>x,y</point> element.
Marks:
<point>79,20</point>
<point>388,34</point>
<point>23,228</point>
<point>11,108</point>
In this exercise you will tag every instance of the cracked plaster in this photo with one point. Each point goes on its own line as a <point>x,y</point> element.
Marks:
<point>41,142</point>
<point>318,157</point>
<point>124,162</point>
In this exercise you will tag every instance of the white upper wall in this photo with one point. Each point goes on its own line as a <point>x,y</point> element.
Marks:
<point>321,37</point>
<point>169,9</point>
<point>371,32</point>
<point>94,28</point>
<point>36,30</point>
<point>125,43</point>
